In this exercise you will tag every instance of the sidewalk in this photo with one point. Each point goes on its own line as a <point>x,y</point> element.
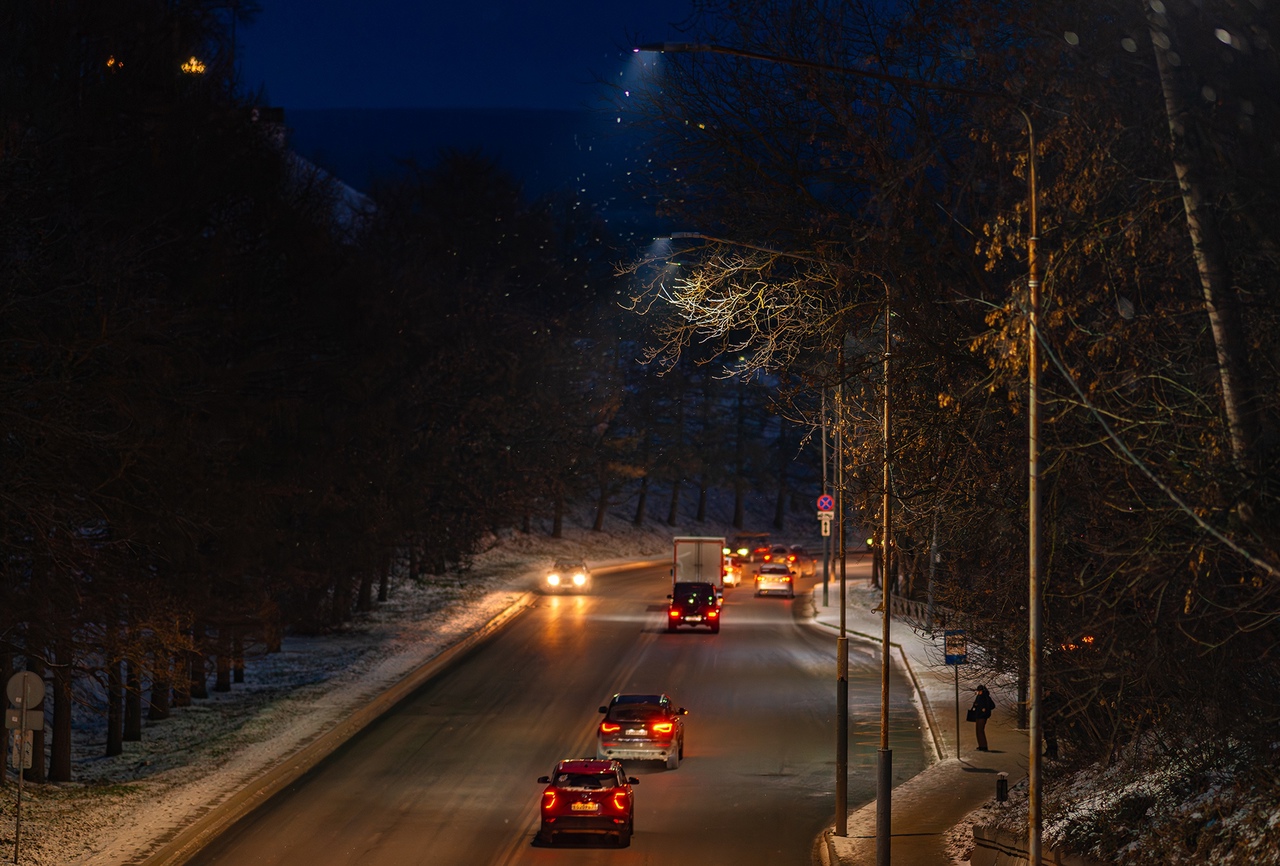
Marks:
<point>925,807</point>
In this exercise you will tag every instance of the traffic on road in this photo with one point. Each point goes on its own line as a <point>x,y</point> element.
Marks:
<point>688,748</point>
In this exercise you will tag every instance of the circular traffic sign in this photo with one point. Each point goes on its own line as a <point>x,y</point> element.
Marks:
<point>25,689</point>
<point>826,502</point>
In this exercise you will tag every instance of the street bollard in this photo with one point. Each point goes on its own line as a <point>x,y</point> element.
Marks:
<point>1002,787</point>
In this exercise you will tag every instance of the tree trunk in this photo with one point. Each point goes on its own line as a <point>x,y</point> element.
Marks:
<point>364,598</point>
<point>1207,248</point>
<point>701,516</point>
<point>222,664</point>
<point>115,717</point>
<point>784,460</point>
<point>196,670</point>
<point>384,579</point>
<point>642,502</point>
<point>161,682</point>
<point>557,518</point>
<point>237,655</point>
<point>132,702</point>
<point>60,748</point>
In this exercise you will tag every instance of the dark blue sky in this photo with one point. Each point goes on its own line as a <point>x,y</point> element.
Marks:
<point>445,53</point>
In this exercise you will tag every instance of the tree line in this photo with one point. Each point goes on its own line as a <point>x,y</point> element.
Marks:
<point>238,398</point>
<point>885,179</point>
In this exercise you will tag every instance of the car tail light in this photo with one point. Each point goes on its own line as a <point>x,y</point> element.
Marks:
<point>620,801</point>
<point>768,556</point>
<point>548,800</point>
<point>791,558</point>
<point>712,614</point>
<point>675,611</point>
<point>610,727</point>
<point>663,727</point>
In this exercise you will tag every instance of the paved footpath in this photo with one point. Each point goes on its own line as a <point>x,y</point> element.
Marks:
<point>925,807</point>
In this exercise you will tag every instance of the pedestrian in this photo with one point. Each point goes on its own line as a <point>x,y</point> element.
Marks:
<point>979,713</point>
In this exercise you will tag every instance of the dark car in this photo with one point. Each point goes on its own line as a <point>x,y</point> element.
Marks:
<point>588,796</point>
<point>693,604</point>
<point>642,728</point>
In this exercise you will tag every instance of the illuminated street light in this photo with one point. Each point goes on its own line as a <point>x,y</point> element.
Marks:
<point>1033,423</point>
<point>193,66</point>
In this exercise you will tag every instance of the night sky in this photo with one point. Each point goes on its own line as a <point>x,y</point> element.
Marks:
<point>445,53</point>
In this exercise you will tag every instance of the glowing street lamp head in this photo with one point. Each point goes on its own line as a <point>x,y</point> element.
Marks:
<point>193,66</point>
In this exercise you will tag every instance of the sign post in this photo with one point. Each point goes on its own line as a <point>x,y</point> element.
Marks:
<point>26,692</point>
<point>826,509</point>
<point>956,653</point>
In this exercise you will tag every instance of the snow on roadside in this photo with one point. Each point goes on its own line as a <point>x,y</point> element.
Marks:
<point>119,808</point>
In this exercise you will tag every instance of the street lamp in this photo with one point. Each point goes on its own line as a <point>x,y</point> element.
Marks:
<point>1033,434</point>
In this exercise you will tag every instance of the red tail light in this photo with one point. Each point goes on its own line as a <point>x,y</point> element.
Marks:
<point>673,612</point>
<point>662,727</point>
<point>609,728</point>
<point>712,614</point>
<point>548,800</point>
<point>620,801</point>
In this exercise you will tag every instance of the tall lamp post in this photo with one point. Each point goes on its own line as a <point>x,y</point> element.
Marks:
<point>1033,422</point>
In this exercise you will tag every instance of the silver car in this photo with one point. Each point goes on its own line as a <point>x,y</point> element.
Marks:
<point>775,578</point>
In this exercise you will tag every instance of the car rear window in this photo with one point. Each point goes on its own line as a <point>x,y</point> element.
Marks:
<point>587,781</point>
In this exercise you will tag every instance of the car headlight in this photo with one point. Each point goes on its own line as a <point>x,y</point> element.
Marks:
<point>553,579</point>
<point>579,579</point>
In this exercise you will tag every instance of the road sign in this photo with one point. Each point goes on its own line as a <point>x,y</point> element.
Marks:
<point>825,517</point>
<point>826,502</point>
<point>956,651</point>
<point>25,689</point>
<point>34,721</point>
<point>20,753</point>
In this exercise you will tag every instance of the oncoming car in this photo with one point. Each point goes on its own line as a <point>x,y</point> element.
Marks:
<point>588,796</point>
<point>775,577</point>
<point>642,728</point>
<point>567,576</point>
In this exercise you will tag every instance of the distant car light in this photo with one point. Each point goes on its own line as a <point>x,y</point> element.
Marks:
<point>553,579</point>
<point>579,579</point>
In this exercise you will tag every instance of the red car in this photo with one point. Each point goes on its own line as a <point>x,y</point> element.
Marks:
<point>588,796</point>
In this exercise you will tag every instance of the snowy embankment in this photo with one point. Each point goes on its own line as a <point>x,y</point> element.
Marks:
<point>120,809</point>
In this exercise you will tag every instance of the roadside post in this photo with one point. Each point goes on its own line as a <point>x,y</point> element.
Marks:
<point>955,652</point>
<point>26,692</point>
<point>826,511</point>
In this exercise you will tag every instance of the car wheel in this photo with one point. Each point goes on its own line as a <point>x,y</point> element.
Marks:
<point>600,755</point>
<point>671,628</point>
<point>544,836</point>
<point>681,751</point>
<point>673,760</point>
<point>624,836</point>
<point>715,629</point>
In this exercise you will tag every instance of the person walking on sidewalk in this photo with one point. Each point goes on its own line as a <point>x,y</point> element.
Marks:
<point>979,713</point>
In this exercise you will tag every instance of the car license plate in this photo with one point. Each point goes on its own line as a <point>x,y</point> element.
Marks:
<point>585,807</point>
<point>693,619</point>
<point>636,732</point>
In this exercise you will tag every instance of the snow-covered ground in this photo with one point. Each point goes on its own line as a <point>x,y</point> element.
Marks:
<point>120,808</point>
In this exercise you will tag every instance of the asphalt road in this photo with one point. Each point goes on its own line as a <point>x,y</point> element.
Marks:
<point>449,776</point>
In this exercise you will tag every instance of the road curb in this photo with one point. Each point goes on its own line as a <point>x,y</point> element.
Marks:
<point>926,708</point>
<point>189,841</point>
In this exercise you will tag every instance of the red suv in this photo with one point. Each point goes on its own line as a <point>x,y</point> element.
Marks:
<point>588,796</point>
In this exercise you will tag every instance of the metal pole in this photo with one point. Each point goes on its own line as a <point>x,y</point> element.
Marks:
<point>956,668</point>
<point>1033,505</point>
<point>842,642</point>
<point>826,542</point>
<point>884,759</point>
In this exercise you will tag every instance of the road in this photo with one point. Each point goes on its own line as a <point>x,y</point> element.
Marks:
<point>449,776</point>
